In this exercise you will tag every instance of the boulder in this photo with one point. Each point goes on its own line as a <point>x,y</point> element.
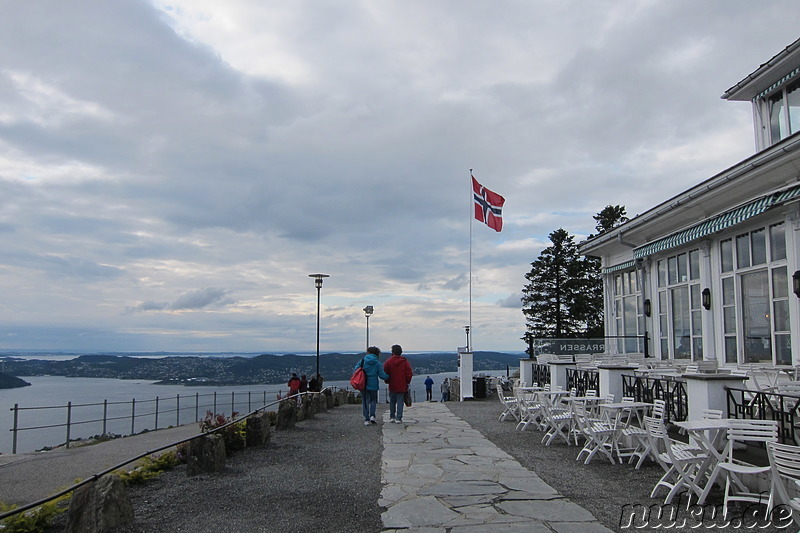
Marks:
<point>99,506</point>
<point>205,454</point>
<point>257,430</point>
<point>287,415</point>
<point>306,409</point>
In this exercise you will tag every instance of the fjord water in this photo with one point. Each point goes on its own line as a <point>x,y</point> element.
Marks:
<point>50,391</point>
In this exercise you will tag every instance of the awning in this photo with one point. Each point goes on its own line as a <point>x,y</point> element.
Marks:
<point>622,266</point>
<point>717,223</point>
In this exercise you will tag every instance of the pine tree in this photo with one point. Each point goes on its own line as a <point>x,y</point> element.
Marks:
<point>564,294</point>
<point>548,297</point>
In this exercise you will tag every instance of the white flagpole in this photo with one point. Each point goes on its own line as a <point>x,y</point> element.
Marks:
<point>471,217</point>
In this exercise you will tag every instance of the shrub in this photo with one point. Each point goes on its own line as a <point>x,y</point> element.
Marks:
<point>233,435</point>
<point>34,520</point>
<point>149,467</point>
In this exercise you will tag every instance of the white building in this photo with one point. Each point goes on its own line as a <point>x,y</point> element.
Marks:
<point>714,273</point>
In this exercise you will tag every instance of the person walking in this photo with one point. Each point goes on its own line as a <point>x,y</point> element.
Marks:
<point>429,389</point>
<point>446,390</point>
<point>373,370</point>
<point>399,370</point>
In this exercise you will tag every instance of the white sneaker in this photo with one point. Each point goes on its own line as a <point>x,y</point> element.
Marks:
<point>372,419</point>
<point>366,422</point>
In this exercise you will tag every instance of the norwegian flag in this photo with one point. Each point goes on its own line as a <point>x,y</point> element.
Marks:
<point>488,206</point>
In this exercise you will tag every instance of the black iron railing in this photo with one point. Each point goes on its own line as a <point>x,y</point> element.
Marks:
<point>669,389</point>
<point>583,381</point>
<point>783,408</point>
<point>541,374</point>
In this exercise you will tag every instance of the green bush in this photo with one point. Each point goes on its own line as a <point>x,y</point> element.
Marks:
<point>34,520</point>
<point>233,435</point>
<point>149,467</point>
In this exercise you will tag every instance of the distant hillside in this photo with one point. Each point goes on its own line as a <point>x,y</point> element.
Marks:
<point>266,368</point>
<point>11,382</point>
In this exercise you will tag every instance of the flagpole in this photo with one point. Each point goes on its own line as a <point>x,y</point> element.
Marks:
<point>471,216</point>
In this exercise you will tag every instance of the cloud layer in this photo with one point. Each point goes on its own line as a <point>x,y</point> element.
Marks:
<point>171,172</point>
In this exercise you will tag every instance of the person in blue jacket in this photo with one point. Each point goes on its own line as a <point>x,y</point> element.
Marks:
<point>373,369</point>
<point>429,389</point>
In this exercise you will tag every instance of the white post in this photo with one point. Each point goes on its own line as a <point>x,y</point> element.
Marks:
<point>465,375</point>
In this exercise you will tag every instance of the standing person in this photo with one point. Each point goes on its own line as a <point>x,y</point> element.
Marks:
<point>294,384</point>
<point>303,383</point>
<point>429,389</point>
<point>399,370</point>
<point>446,390</point>
<point>369,396</point>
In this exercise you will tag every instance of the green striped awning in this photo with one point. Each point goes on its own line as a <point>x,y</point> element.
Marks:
<point>622,266</point>
<point>779,83</point>
<point>718,223</point>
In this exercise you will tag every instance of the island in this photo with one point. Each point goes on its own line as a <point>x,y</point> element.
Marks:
<point>235,370</point>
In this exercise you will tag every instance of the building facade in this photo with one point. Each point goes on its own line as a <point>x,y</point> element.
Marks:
<point>714,272</point>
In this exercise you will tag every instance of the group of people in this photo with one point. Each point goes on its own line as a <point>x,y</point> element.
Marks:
<point>396,371</point>
<point>302,384</point>
<point>445,388</point>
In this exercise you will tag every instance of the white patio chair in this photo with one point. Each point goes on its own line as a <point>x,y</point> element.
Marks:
<point>784,462</point>
<point>510,406</point>
<point>741,431</point>
<point>679,460</point>
<point>557,422</point>
<point>598,435</point>
<point>530,412</point>
<point>639,437</point>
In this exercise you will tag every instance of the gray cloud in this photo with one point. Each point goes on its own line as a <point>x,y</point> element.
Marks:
<point>147,149</point>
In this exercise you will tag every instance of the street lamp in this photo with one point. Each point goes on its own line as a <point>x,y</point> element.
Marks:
<point>368,310</point>
<point>318,284</point>
<point>467,329</point>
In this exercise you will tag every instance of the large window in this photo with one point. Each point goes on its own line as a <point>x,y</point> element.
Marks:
<point>628,316</point>
<point>755,297</point>
<point>784,112</point>
<point>679,317</point>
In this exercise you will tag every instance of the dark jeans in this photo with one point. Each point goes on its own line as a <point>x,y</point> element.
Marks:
<point>369,400</point>
<point>396,404</point>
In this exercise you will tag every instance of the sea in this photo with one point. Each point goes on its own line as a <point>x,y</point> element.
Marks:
<point>132,406</point>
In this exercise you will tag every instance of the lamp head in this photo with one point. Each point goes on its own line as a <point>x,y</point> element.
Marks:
<point>318,279</point>
<point>368,310</point>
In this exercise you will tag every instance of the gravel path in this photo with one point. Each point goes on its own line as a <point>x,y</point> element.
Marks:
<point>325,476</point>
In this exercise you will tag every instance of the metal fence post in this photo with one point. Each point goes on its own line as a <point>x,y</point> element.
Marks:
<point>215,402</point>
<point>69,419</point>
<point>178,410</point>
<point>14,439</point>
<point>133,416</point>
<point>233,402</point>
<point>156,413</point>
<point>105,415</point>
<point>196,406</point>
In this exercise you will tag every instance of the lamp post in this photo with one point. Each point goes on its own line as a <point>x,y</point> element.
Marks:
<point>467,330</point>
<point>367,312</point>
<point>318,284</point>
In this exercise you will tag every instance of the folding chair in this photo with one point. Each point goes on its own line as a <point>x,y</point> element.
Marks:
<point>643,448</point>
<point>681,462</point>
<point>741,431</point>
<point>530,412</point>
<point>558,422</point>
<point>598,435</point>
<point>784,462</point>
<point>510,406</point>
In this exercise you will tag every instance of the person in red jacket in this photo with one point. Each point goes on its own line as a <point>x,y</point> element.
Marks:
<point>399,370</point>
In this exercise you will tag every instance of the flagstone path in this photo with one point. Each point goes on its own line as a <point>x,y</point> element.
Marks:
<point>441,475</point>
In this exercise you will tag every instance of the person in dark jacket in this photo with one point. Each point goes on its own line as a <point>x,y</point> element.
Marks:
<point>429,389</point>
<point>399,370</point>
<point>373,370</point>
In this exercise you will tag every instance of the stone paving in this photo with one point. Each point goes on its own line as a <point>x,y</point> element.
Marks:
<point>441,475</point>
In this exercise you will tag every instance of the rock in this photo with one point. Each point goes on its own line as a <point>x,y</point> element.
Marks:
<point>99,506</point>
<point>287,415</point>
<point>257,430</point>
<point>306,409</point>
<point>205,454</point>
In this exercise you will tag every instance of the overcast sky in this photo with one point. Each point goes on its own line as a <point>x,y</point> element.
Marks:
<point>172,171</point>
